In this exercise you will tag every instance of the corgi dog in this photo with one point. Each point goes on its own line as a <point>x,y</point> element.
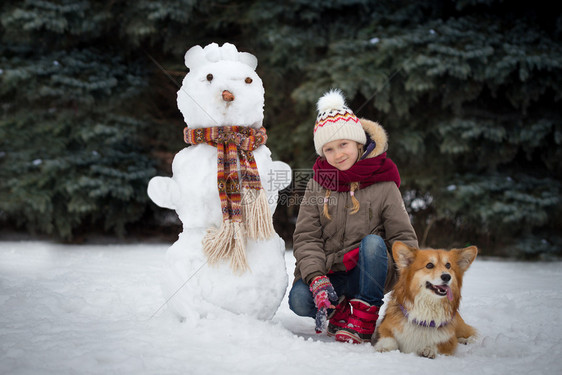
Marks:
<point>422,315</point>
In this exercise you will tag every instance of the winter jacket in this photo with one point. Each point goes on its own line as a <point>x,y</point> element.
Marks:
<point>320,243</point>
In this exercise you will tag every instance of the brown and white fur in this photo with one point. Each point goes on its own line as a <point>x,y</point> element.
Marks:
<point>422,315</point>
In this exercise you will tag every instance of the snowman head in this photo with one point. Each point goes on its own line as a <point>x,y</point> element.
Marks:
<point>221,88</point>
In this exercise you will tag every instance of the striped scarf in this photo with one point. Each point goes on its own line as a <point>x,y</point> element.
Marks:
<point>245,211</point>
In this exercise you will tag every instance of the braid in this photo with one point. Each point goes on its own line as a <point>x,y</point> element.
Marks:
<point>325,210</point>
<point>354,186</point>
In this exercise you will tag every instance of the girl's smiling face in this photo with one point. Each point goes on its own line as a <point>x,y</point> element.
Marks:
<point>341,153</point>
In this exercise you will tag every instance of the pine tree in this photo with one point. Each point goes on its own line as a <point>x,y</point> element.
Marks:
<point>469,93</point>
<point>71,151</point>
<point>88,92</point>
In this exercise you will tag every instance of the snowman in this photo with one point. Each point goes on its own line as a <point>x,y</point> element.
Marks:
<point>224,189</point>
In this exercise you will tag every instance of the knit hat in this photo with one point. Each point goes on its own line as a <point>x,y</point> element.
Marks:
<point>336,121</point>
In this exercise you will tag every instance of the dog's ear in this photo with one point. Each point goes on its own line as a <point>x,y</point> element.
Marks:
<point>466,256</point>
<point>403,254</point>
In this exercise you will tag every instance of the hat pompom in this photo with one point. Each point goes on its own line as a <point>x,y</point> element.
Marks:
<point>333,99</point>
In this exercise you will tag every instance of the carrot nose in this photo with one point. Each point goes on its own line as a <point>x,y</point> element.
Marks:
<point>227,96</point>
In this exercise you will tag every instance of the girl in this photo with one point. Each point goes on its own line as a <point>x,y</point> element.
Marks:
<point>351,214</point>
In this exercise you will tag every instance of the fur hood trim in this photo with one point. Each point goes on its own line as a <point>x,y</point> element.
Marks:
<point>377,134</point>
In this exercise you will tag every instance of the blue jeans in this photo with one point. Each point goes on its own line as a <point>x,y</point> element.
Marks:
<point>365,281</point>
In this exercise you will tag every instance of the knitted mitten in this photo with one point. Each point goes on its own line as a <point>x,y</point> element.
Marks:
<point>323,294</point>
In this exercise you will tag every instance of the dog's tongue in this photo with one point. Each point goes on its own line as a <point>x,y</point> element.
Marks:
<point>449,292</point>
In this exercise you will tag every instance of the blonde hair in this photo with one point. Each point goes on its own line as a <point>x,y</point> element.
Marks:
<point>325,210</point>
<point>352,189</point>
<point>354,186</point>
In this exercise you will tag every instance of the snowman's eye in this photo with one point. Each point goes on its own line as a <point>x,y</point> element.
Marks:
<point>248,80</point>
<point>209,77</point>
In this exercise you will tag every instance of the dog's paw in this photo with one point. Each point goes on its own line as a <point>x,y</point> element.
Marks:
<point>386,344</point>
<point>467,340</point>
<point>428,352</point>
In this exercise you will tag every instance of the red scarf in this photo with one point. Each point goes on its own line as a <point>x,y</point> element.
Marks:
<point>366,172</point>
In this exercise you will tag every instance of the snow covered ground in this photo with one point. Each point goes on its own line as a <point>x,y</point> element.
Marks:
<point>98,310</point>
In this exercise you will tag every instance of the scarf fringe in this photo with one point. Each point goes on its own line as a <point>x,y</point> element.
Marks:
<point>227,243</point>
<point>257,214</point>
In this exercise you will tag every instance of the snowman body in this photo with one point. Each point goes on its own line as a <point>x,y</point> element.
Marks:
<point>221,89</point>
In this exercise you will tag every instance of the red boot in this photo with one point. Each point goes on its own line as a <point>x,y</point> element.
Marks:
<point>338,318</point>
<point>360,324</point>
